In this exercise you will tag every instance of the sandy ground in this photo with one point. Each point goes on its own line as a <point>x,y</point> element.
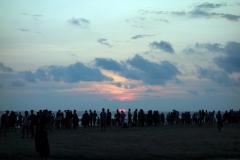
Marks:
<point>155,142</point>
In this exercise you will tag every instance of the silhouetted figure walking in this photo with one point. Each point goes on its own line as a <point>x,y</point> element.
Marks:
<point>41,143</point>
<point>219,120</point>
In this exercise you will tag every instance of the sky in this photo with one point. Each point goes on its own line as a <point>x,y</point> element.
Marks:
<point>158,55</point>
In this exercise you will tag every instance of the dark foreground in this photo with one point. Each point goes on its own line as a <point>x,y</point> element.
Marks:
<point>161,142</point>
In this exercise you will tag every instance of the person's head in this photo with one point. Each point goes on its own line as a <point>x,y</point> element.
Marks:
<point>103,109</point>
<point>129,109</point>
<point>7,112</point>
<point>31,111</point>
<point>26,112</point>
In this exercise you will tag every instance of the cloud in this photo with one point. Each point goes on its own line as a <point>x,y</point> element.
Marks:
<point>218,76</point>
<point>81,22</point>
<point>151,72</point>
<point>18,83</point>
<point>230,62</point>
<point>142,36</point>
<point>162,45</point>
<point>141,69</point>
<point>207,5</point>
<point>103,41</point>
<point>24,30</point>
<point>120,85</point>
<point>150,91</point>
<point>108,64</point>
<point>179,13</point>
<point>201,48</point>
<point>192,92</point>
<point>4,68</point>
<point>70,74</point>
<point>200,10</point>
<point>210,90</point>
<point>162,20</point>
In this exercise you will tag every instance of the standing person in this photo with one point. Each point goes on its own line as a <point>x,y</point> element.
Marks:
<point>33,121</point>
<point>3,124</point>
<point>12,122</point>
<point>135,114</point>
<point>90,117</point>
<point>122,116</point>
<point>129,117</point>
<point>41,143</point>
<point>103,117</point>
<point>25,124</point>
<point>219,120</point>
<point>75,119</point>
<point>109,118</point>
<point>94,118</point>
<point>20,119</point>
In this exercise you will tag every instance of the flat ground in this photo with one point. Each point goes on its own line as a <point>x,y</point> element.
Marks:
<point>161,142</point>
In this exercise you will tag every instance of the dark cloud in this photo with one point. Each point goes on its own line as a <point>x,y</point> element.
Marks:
<point>103,41</point>
<point>199,48</point>
<point>76,72</point>
<point>203,10</point>
<point>230,17</point>
<point>108,64</point>
<point>81,22</point>
<point>207,5</point>
<point>151,72</point>
<point>18,83</point>
<point>142,36</point>
<point>162,20</point>
<point>29,76</point>
<point>118,84</point>
<point>210,90</point>
<point>230,62</point>
<point>179,13</point>
<point>38,15</point>
<point>24,30</point>
<point>192,92</point>
<point>4,68</point>
<point>218,76</point>
<point>162,45</point>
<point>70,74</point>
<point>199,10</point>
<point>141,69</point>
<point>150,91</point>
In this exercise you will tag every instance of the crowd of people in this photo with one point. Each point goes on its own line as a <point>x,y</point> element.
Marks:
<point>70,120</point>
<point>38,124</point>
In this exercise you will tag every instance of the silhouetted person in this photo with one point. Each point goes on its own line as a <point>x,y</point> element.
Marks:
<point>94,118</point>
<point>33,121</point>
<point>122,116</point>
<point>129,117</point>
<point>41,143</point>
<point>219,120</point>
<point>75,119</point>
<point>109,118</point>
<point>90,117</point>
<point>25,124</point>
<point>103,117</point>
